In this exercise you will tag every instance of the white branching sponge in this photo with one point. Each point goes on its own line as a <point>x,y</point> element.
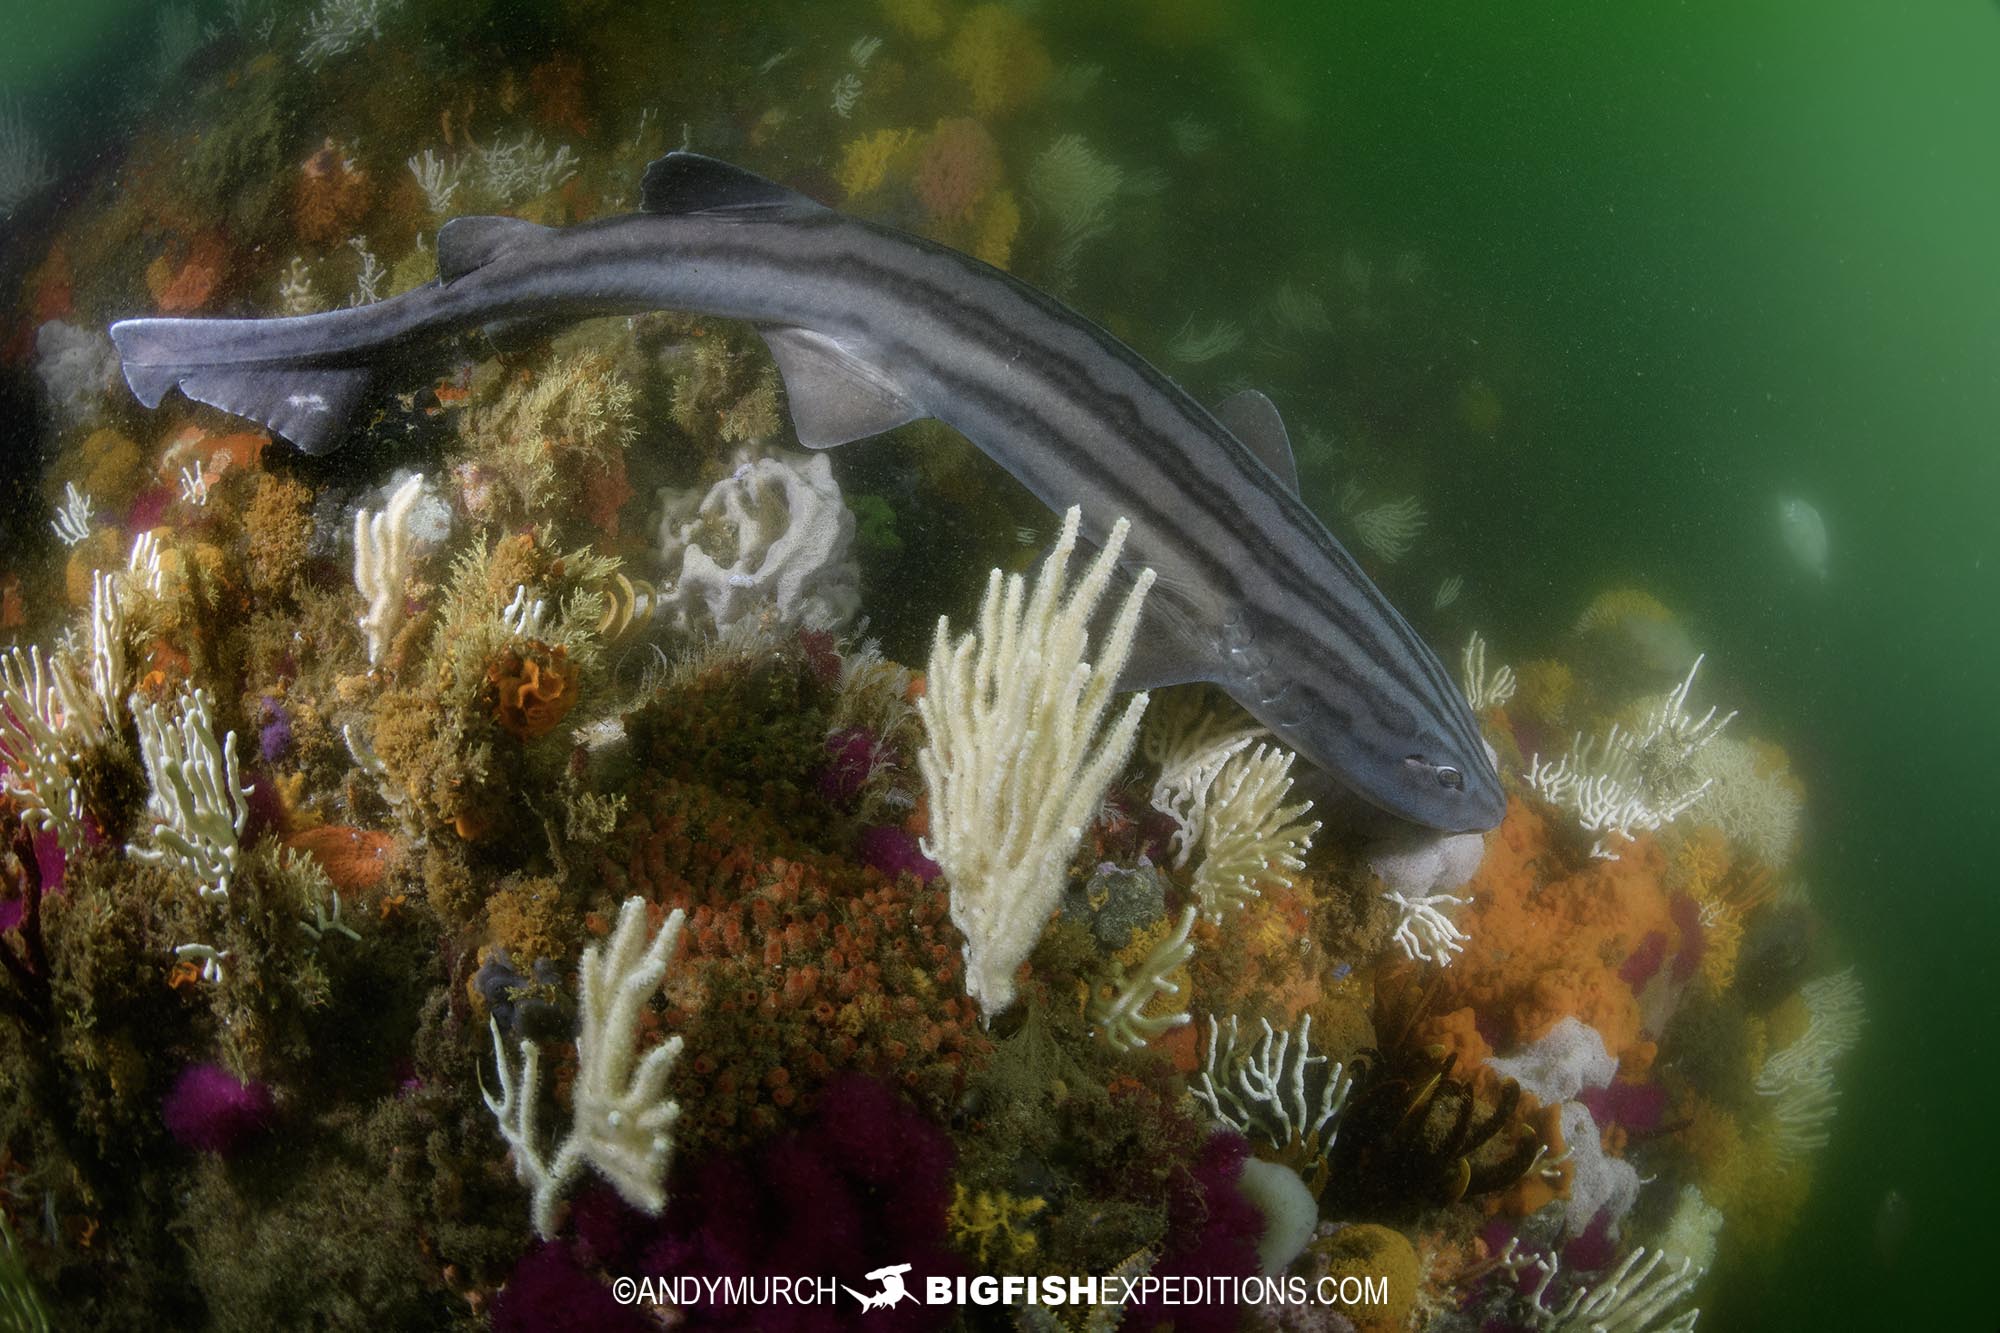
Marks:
<point>1191,744</point>
<point>1424,931</point>
<point>1388,529</point>
<point>1074,188</point>
<point>1625,783</point>
<point>46,720</point>
<point>1018,758</point>
<point>382,554</point>
<point>1641,1295</point>
<point>1250,833</point>
<point>199,810</point>
<point>1481,690</point>
<point>1122,1019</point>
<point>107,647</point>
<point>1799,1079</point>
<point>622,1123</point>
<point>73,516</point>
<point>1278,1090</point>
<point>52,711</point>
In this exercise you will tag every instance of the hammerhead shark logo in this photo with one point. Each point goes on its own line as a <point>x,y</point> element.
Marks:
<point>892,1291</point>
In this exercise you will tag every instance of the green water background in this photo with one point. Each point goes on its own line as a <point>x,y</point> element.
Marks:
<point>1739,250</point>
<point>1755,249</point>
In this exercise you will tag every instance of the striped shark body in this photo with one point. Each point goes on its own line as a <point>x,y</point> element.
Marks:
<point>872,328</point>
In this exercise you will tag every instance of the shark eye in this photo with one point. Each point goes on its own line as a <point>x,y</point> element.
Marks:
<point>1446,775</point>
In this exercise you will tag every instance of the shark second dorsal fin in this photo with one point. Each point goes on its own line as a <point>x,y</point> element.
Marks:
<point>691,183</point>
<point>1253,419</point>
<point>835,396</point>
<point>464,244</point>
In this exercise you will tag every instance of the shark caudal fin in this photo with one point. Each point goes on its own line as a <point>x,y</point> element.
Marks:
<point>308,405</point>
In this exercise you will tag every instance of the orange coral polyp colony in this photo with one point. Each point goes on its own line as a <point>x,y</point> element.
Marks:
<point>1551,930</point>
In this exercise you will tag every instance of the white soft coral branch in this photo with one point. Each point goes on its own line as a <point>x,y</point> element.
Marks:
<point>382,558</point>
<point>1019,756</point>
<point>1122,1020</point>
<point>622,1119</point>
<point>198,807</point>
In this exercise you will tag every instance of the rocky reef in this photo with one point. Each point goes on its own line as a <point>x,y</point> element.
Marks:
<point>529,848</point>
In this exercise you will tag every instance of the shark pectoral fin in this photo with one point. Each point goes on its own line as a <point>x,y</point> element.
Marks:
<point>691,183</point>
<point>464,244</point>
<point>1170,648</point>
<point>835,396</point>
<point>1253,419</point>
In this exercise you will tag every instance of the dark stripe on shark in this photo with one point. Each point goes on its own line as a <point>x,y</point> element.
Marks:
<point>972,321</point>
<point>1129,421</point>
<point>1124,418</point>
<point>1082,389</point>
<point>1075,414</point>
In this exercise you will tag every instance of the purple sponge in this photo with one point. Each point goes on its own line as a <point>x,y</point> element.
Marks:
<point>210,1111</point>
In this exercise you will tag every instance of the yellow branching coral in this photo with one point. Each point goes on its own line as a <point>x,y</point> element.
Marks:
<point>1722,946</point>
<point>993,1225</point>
<point>724,391</point>
<point>1744,1177</point>
<point>572,419</point>
<point>865,162</point>
<point>1701,868</point>
<point>518,597</point>
<point>1699,864</point>
<point>754,416</point>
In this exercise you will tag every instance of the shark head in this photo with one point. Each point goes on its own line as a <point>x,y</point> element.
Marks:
<point>1395,731</point>
<point>1419,774</point>
<point>1454,793</point>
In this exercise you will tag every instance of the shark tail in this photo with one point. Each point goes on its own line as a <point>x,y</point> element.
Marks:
<point>307,404</point>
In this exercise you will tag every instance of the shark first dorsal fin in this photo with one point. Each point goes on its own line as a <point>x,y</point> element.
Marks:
<point>464,244</point>
<point>1253,419</point>
<point>835,395</point>
<point>691,183</point>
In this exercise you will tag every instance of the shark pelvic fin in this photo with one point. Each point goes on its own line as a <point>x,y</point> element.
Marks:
<point>464,244</point>
<point>308,406</point>
<point>835,396</point>
<point>691,183</point>
<point>1253,419</point>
